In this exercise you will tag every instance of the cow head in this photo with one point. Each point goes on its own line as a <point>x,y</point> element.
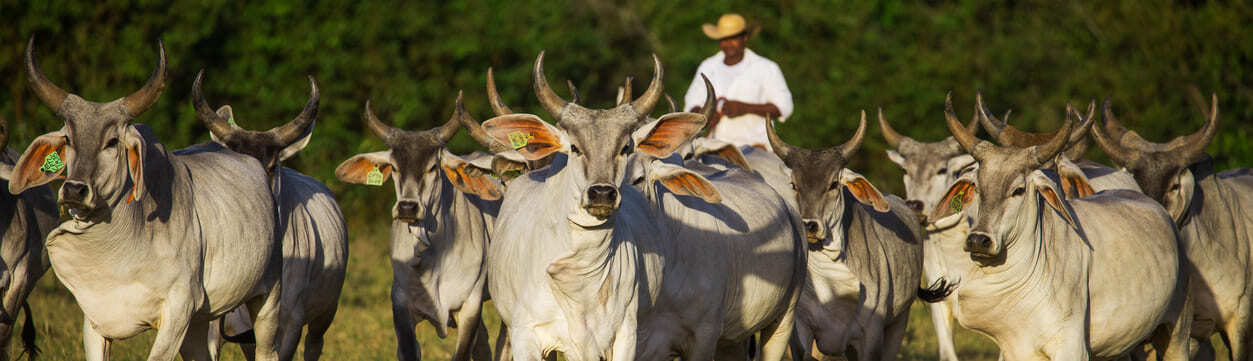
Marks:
<point>1161,169</point>
<point>414,162</point>
<point>930,167</point>
<point>271,146</point>
<point>1009,188</point>
<point>822,184</point>
<point>599,143</point>
<point>1010,136</point>
<point>99,152</point>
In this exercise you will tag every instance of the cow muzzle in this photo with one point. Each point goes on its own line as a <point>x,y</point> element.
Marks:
<point>815,232</point>
<point>601,200</point>
<point>981,247</point>
<point>407,211</point>
<point>76,197</point>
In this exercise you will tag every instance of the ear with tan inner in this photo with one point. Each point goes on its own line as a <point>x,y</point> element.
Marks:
<point>355,169</point>
<point>955,200</point>
<point>526,133</point>
<point>226,112</point>
<point>1044,187</point>
<point>26,174</point>
<point>469,178</point>
<point>1074,183</point>
<point>135,156</point>
<point>671,131</point>
<point>863,191</point>
<point>682,181</point>
<point>726,151</point>
<point>1178,200</point>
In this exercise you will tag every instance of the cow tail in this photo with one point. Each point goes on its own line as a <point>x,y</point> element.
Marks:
<point>246,337</point>
<point>28,335</point>
<point>937,291</point>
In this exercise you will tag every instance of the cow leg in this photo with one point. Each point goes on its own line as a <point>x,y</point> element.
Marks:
<point>95,347</point>
<point>942,318</point>
<point>894,335</point>
<point>407,348</point>
<point>774,339</point>
<point>214,338</point>
<point>267,324</point>
<point>175,322</point>
<point>801,342</point>
<point>523,346</point>
<point>316,333</point>
<point>289,334</point>
<point>503,347</point>
<point>1237,337</point>
<point>195,343</point>
<point>482,349</point>
<point>468,325</point>
<point>1171,341</point>
<point>1200,349</point>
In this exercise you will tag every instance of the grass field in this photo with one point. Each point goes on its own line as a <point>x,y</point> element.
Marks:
<point>363,326</point>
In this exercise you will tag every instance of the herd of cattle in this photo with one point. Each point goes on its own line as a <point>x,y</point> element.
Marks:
<point>611,234</point>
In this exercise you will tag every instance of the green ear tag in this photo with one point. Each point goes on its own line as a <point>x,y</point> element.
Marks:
<point>519,139</point>
<point>374,177</point>
<point>232,121</point>
<point>956,202</point>
<point>52,163</point>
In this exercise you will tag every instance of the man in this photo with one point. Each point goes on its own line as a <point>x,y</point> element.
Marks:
<point>750,87</point>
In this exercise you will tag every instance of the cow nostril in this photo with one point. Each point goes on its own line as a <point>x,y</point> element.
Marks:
<point>811,227</point>
<point>978,242</point>
<point>915,205</point>
<point>600,194</point>
<point>986,243</point>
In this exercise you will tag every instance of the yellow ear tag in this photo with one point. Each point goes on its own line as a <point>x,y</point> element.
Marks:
<point>519,139</point>
<point>956,202</point>
<point>374,177</point>
<point>52,163</point>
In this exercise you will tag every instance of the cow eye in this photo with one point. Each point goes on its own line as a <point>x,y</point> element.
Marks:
<point>111,143</point>
<point>575,149</point>
<point>1174,187</point>
<point>942,171</point>
<point>834,185</point>
<point>626,149</point>
<point>1018,192</point>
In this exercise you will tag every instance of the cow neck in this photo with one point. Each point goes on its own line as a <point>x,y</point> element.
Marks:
<point>463,231</point>
<point>1218,212</point>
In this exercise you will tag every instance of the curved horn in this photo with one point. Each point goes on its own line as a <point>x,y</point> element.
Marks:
<point>476,130</point>
<point>49,93</point>
<point>140,100</point>
<point>574,92</point>
<point>1045,152</point>
<point>711,98</point>
<point>780,147</point>
<point>493,97</point>
<point>848,148</point>
<point>449,129</point>
<point>963,136</point>
<point>990,123</point>
<point>670,102</point>
<point>299,126</point>
<point>218,126</point>
<point>1190,146</point>
<point>890,135</point>
<point>625,97</point>
<point>547,97</point>
<point>1107,139</point>
<point>381,130</point>
<point>646,101</point>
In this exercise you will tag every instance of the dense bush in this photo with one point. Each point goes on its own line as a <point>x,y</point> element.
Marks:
<point>1156,59</point>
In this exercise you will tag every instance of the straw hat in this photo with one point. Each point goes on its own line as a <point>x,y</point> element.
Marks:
<point>728,25</point>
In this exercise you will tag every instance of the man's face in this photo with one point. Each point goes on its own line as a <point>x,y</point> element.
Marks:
<point>733,46</point>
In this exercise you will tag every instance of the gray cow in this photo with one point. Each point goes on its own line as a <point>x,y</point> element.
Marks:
<point>25,220</point>
<point>585,264</point>
<point>155,239</point>
<point>1048,278</point>
<point>1210,209</point>
<point>314,237</point>
<point>441,223</point>
<point>865,255</point>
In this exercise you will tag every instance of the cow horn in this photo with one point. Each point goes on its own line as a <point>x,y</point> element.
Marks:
<point>711,98</point>
<point>625,97</point>
<point>140,100</point>
<point>781,148</point>
<point>299,126</point>
<point>670,102</point>
<point>49,93</point>
<point>218,126</point>
<point>990,123</point>
<point>547,97</point>
<point>449,129</point>
<point>1191,146</point>
<point>574,92</point>
<point>477,132</point>
<point>964,137</point>
<point>848,148</point>
<point>493,97</point>
<point>644,104</point>
<point>890,135</point>
<point>383,131</point>
<point>1045,152</point>
<point>1107,139</point>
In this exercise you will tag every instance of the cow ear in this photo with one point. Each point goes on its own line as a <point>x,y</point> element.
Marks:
<point>509,165</point>
<point>469,178</point>
<point>1179,195</point>
<point>671,131</point>
<point>896,157</point>
<point>1075,184</point>
<point>527,134</point>
<point>1048,192</point>
<point>724,150</point>
<point>682,181</point>
<point>28,173</point>
<point>862,190</point>
<point>955,200</point>
<point>136,149</point>
<point>229,114</point>
<point>358,168</point>
<point>295,147</point>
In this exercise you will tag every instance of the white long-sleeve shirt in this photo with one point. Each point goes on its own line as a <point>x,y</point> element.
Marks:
<point>754,79</point>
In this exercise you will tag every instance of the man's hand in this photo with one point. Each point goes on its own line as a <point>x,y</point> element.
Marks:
<point>732,108</point>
